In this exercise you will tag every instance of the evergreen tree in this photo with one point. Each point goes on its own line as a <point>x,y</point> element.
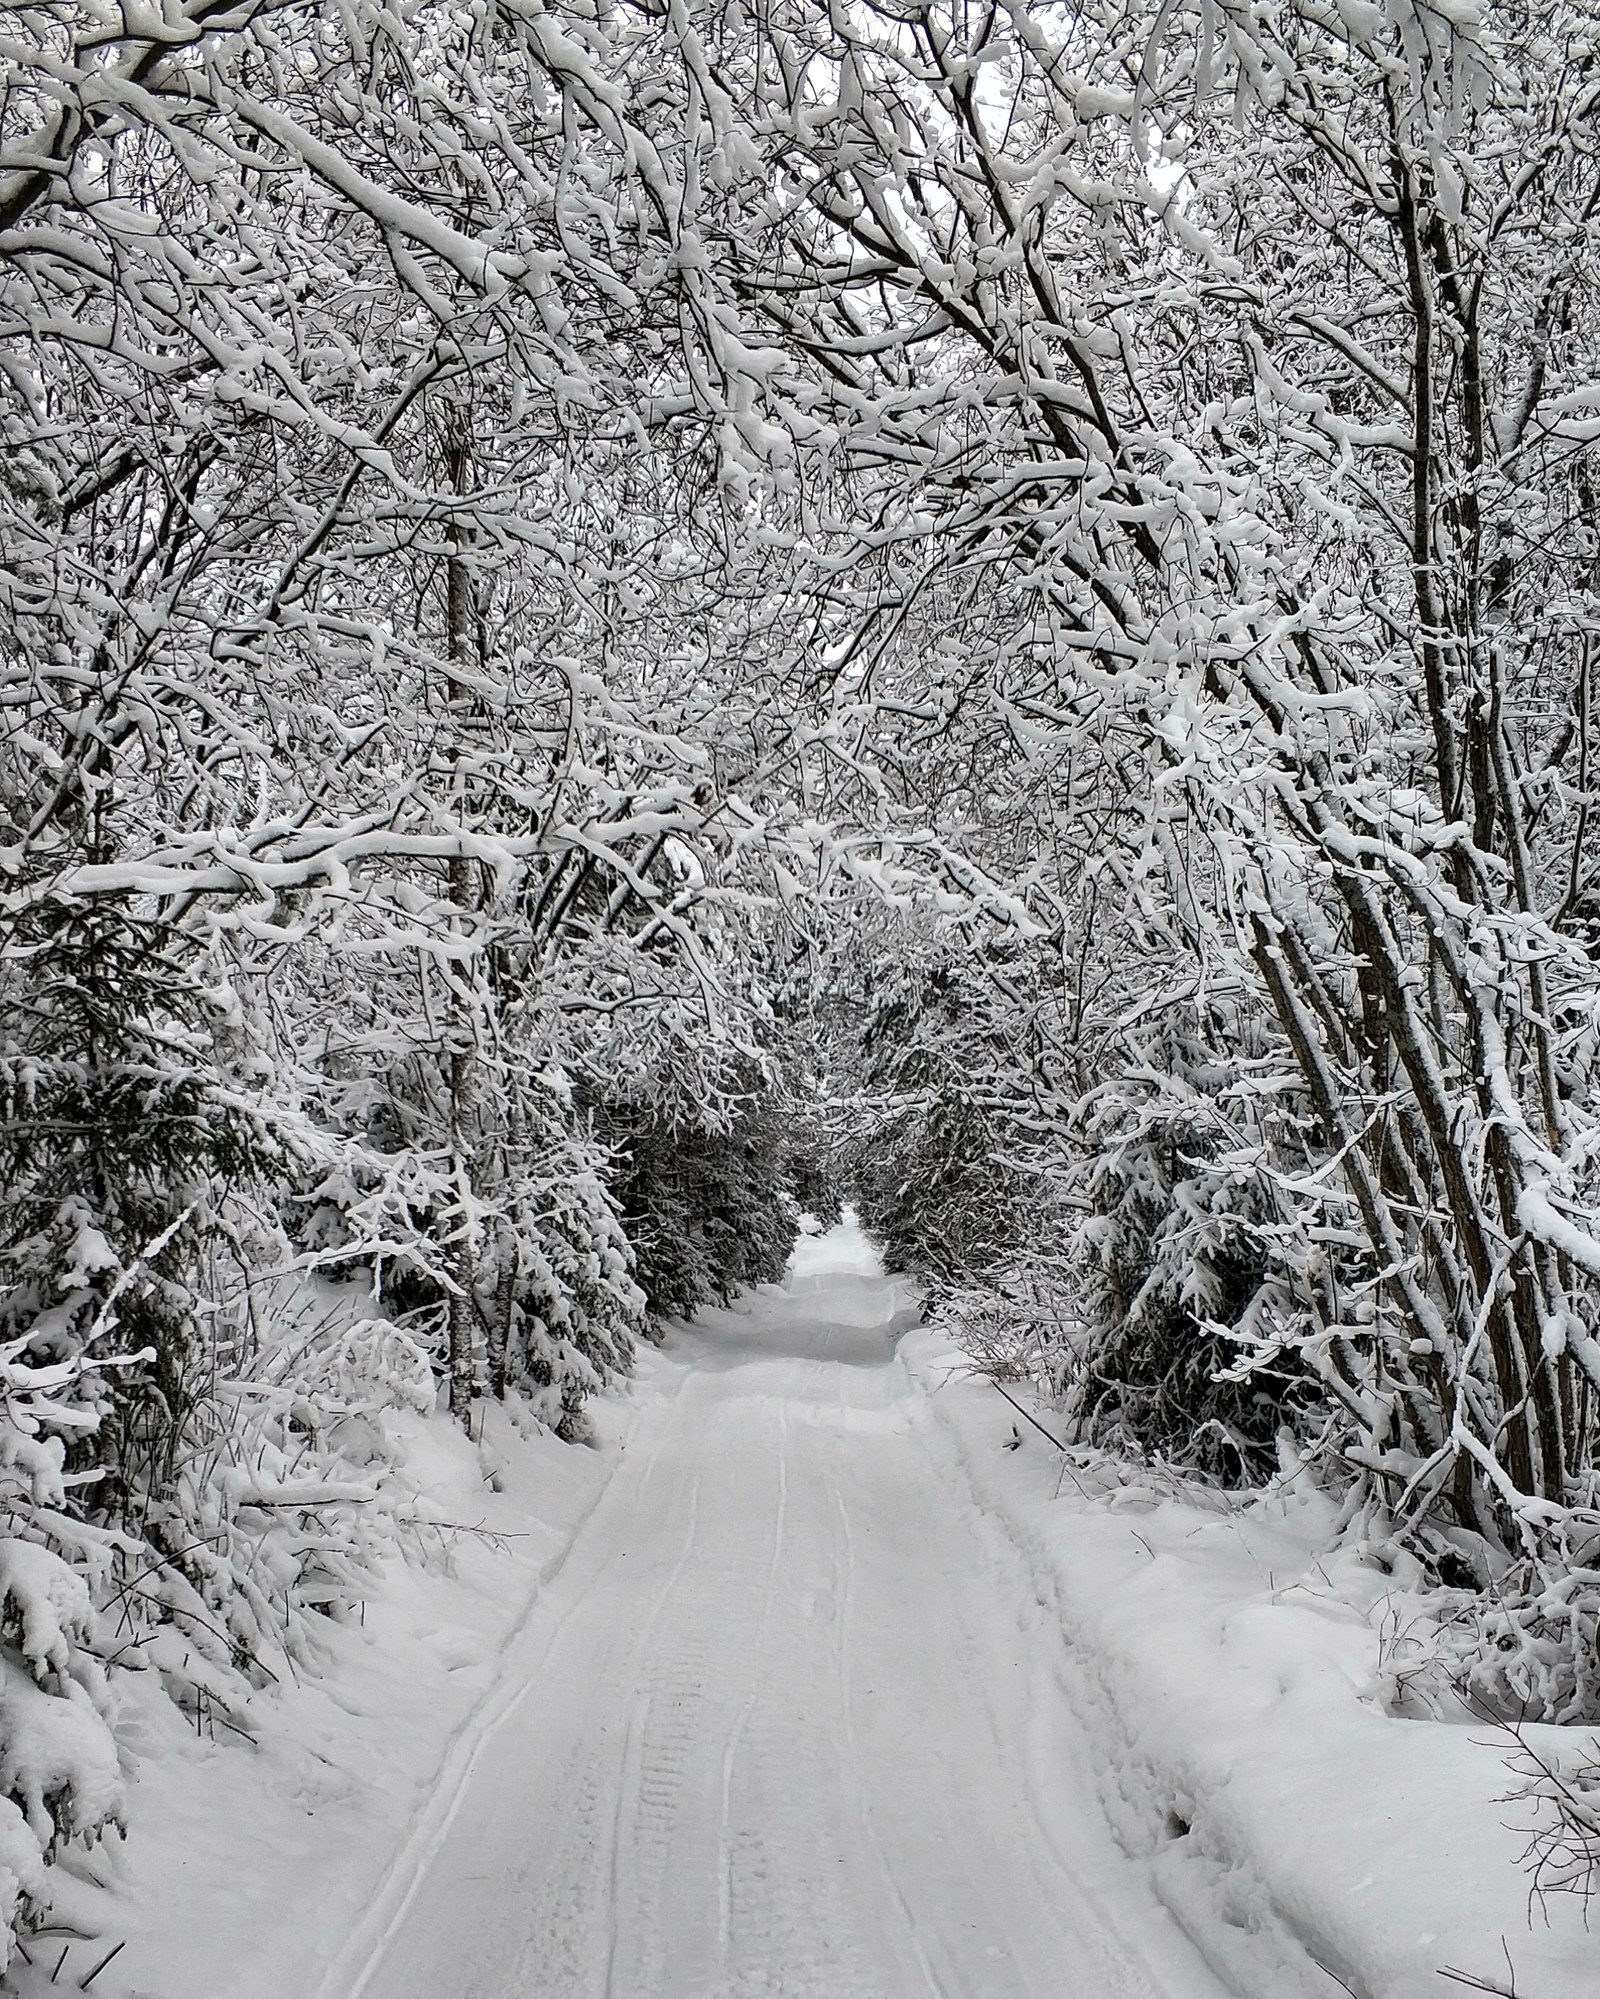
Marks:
<point>120,1139</point>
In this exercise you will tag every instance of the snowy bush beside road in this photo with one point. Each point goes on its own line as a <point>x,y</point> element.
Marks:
<point>59,1771</point>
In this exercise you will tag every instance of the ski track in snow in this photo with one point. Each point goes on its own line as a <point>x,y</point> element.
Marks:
<point>786,1726</point>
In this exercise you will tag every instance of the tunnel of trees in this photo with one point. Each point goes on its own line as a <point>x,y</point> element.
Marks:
<point>622,618</point>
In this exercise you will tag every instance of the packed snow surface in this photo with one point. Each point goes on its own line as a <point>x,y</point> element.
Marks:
<point>823,1675</point>
<point>781,1725</point>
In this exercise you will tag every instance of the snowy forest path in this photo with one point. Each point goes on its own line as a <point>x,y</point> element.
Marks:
<point>793,1730</point>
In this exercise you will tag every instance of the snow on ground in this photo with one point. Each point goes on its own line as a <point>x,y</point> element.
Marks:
<point>803,1683</point>
<point>796,1728</point>
<point>248,1864</point>
<point>1229,1673</point>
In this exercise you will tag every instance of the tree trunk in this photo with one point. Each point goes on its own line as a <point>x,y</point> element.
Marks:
<point>459,649</point>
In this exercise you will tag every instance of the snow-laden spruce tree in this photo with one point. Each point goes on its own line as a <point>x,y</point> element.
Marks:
<point>119,1138</point>
<point>119,1134</point>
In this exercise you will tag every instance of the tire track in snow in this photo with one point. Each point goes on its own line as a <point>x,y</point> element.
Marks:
<point>349,1973</point>
<point>935,1984</point>
<point>731,1754</point>
<point>794,1926</point>
<point>634,1785</point>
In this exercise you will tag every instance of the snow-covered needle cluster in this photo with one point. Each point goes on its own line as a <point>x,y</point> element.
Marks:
<point>553,552</point>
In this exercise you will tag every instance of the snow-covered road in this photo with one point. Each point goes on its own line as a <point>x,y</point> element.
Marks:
<point>788,1722</point>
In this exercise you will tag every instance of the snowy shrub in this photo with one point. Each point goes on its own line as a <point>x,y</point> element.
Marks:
<point>1516,1654</point>
<point>530,1258</point>
<point>1011,1325</point>
<point>1532,1649</point>
<point>710,1206</point>
<point>282,1505</point>
<point>925,1163</point>
<point>1185,1319</point>
<point>1518,1641</point>
<point>1563,1794</point>
<point>59,1772</point>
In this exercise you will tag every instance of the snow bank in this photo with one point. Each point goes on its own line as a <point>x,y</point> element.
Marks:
<point>1231,1671</point>
<point>264,1829</point>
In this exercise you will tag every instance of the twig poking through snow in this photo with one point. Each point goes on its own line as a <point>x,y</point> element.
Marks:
<point>1475,1984</point>
<point>1043,1432</point>
<point>85,1983</point>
